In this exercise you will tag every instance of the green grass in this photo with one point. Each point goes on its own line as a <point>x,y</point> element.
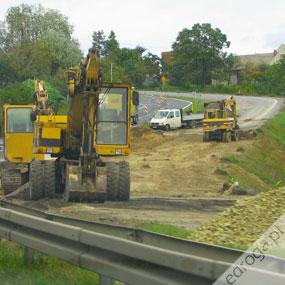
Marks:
<point>44,270</point>
<point>262,167</point>
<point>166,229</point>
<point>198,104</point>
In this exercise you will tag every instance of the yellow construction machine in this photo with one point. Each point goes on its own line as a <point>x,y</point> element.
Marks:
<point>63,154</point>
<point>220,121</point>
<point>21,123</point>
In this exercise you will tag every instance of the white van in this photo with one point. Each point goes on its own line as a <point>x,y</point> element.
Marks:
<point>173,118</point>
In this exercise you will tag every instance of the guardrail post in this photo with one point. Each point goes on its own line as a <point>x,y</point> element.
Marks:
<point>105,280</point>
<point>28,255</point>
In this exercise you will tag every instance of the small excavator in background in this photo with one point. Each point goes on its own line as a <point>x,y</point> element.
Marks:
<point>62,155</point>
<point>27,143</point>
<point>220,121</point>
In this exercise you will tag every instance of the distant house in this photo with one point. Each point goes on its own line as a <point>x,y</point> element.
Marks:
<point>241,61</point>
<point>255,59</point>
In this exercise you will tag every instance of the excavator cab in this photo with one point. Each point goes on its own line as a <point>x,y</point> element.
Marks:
<point>18,133</point>
<point>113,120</point>
<point>18,146</point>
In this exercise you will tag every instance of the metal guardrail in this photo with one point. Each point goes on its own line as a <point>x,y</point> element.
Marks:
<point>128,255</point>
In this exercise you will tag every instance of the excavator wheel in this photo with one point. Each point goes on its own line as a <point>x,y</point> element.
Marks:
<point>49,178</point>
<point>206,137</point>
<point>235,135</point>
<point>11,179</point>
<point>112,181</point>
<point>226,137</point>
<point>37,181</point>
<point>124,181</point>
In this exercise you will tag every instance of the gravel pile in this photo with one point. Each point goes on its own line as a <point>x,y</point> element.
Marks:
<point>241,225</point>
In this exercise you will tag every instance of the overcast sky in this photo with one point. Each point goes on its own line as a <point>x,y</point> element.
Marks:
<point>252,26</point>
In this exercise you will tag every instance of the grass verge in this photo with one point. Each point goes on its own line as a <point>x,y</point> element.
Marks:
<point>166,229</point>
<point>44,270</point>
<point>262,166</point>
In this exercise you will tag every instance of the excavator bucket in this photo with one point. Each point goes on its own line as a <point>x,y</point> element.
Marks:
<point>90,190</point>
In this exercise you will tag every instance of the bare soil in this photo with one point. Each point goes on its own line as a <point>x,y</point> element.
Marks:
<point>175,180</point>
<point>179,164</point>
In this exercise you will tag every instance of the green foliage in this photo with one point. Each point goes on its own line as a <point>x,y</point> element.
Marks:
<point>63,52</point>
<point>197,54</point>
<point>44,271</point>
<point>8,73</point>
<point>32,61</point>
<point>26,24</point>
<point>128,65</point>
<point>38,43</point>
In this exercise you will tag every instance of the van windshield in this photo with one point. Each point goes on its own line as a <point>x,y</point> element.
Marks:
<point>161,114</point>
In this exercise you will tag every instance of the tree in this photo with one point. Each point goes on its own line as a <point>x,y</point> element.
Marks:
<point>64,52</point>
<point>153,67</point>
<point>196,54</point>
<point>8,74</point>
<point>32,61</point>
<point>274,78</point>
<point>133,63</point>
<point>111,45</point>
<point>99,41</point>
<point>38,43</point>
<point>27,24</point>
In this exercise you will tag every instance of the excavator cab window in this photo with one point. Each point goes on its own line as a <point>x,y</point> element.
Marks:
<point>211,115</point>
<point>112,116</point>
<point>18,120</point>
<point>220,114</point>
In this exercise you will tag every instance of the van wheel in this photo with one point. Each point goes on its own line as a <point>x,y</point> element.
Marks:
<point>167,127</point>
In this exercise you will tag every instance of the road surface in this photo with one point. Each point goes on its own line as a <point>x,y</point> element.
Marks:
<point>253,111</point>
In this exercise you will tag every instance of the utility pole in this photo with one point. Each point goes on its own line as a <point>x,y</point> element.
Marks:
<point>111,72</point>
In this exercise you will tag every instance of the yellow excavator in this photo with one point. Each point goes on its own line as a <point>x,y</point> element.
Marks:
<point>19,138</point>
<point>220,121</point>
<point>64,153</point>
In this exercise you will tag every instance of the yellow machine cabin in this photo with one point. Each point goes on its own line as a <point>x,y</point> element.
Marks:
<point>220,121</point>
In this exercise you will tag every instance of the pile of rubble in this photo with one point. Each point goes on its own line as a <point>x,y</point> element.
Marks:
<point>241,225</point>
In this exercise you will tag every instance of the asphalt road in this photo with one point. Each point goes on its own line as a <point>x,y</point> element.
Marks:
<point>150,104</point>
<point>253,111</point>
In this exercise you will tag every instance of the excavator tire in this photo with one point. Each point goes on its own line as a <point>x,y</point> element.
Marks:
<point>124,181</point>
<point>226,136</point>
<point>37,182</point>
<point>235,135</point>
<point>206,137</point>
<point>112,181</point>
<point>49,178</point>
<point>11,179</point>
